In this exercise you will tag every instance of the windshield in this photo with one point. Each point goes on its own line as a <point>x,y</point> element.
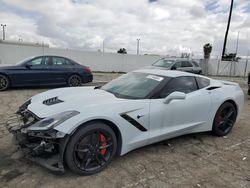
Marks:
<point>166,63</point>
<point>133,85</point>
<point>24,60</point>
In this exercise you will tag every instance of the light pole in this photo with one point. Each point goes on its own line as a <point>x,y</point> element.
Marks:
<point>138,41</point>
<point>103,46</point>
<point>228,25</point>
<point>3,25</point>
<point>237,43</point>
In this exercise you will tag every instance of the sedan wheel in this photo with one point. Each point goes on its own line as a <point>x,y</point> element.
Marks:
<point>74,81</point>
<point>4,83</point>
<point>224,119</point>
<point>91,149</point>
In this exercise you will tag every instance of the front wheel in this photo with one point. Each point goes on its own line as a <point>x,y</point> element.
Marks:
<point>74,81</point>
<point>4,82</point>
<point>91,149</point>
<point>224,119</point>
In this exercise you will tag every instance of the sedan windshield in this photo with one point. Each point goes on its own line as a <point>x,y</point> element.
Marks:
<point>166,63</point>
<point>133,85</point>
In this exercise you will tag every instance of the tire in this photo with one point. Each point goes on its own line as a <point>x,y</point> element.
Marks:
<point>4,82</point>
<point>91,149</point>
<point>224,119</point>
<point>74,80</point>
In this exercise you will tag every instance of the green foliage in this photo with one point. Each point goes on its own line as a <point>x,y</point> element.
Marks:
<point>185,55</point>
<point>122,51</point>
<point>230,57</point>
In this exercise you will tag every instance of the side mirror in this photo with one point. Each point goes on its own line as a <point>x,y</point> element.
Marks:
<point>174,96</point>
<point>28,66</point>
<point>173,67</point>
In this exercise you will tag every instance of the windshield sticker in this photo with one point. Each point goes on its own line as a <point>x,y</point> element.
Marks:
<point>153,77</point>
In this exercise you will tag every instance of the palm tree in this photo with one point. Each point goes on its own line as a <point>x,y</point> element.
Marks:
<point>228,25</point>
<point>207,49</point>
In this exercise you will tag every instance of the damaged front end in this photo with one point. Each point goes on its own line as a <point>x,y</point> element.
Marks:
<point>37,139</point>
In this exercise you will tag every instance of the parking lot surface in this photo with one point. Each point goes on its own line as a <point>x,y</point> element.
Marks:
<point>197,160</point>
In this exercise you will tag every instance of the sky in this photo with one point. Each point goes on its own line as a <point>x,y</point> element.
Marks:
<point>165,27</point>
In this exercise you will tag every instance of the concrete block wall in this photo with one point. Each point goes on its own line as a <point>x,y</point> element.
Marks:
<point>97,61</point>
<point>108,62</point>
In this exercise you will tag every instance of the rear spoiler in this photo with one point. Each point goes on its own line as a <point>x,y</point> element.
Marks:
<point>229,83</point>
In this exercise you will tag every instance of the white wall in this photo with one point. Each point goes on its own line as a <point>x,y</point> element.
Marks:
<point>97,61</point>
<point>107,62</point>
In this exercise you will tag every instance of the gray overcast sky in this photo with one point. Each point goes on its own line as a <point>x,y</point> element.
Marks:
<point>164,26</point>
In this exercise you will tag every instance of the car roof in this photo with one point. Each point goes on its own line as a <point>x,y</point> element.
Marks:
<point>177,59</point>
<point>168,73</point>
<point>32,57</point>
<point>50,56</point>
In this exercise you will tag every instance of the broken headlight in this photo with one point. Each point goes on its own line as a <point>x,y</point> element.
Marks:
<point>24,106</point>
<point>52,121</point>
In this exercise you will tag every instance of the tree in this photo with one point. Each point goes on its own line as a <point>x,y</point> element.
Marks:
<point>228,25</point>
<point>122,51</point>
<point>207,49</point>
<point>185,55</point>
<point>231,57</point>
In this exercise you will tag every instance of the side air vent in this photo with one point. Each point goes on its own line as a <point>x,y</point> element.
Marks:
<point>133,122</point>
<point>213,87</point>
<point>52,101</point>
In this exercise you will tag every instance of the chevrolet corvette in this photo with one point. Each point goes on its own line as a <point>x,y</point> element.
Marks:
<point>85,127</point>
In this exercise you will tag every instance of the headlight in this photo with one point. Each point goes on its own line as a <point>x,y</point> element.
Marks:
<point>24,106</point>
<point>52,121</point>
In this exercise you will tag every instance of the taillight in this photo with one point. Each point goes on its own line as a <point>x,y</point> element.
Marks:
<point>87,69</point>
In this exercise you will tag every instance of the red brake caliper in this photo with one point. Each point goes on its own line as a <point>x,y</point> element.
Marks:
<point>104,143</point>
<point>219,119</point>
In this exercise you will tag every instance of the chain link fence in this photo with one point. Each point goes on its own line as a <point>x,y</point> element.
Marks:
<point>216,67</point>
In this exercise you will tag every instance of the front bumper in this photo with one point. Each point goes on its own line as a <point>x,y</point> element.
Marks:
<point>42,147</point>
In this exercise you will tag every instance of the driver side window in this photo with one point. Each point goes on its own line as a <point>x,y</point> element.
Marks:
<point>177,64</point>
<point>186,64</point>
<point>185,84</point>
<point>38,61</point>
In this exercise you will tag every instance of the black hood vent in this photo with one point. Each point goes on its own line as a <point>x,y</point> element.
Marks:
<point>52,101</point>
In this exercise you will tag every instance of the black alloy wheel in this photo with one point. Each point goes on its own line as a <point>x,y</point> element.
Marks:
<point>74,81</point>
<point>4,83</point>
<point>91,149</point>
<point>224,119</point>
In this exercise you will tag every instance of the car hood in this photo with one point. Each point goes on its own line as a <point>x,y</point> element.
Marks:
<point>7,66</point>
<point>65,99</point>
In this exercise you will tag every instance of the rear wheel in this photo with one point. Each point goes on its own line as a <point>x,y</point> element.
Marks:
<point>91,149</point>
<point>224,119</point>
<point>4,82</point>
<point>74,81</point>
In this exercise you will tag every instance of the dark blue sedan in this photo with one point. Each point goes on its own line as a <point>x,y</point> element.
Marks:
<point>44,70</point>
